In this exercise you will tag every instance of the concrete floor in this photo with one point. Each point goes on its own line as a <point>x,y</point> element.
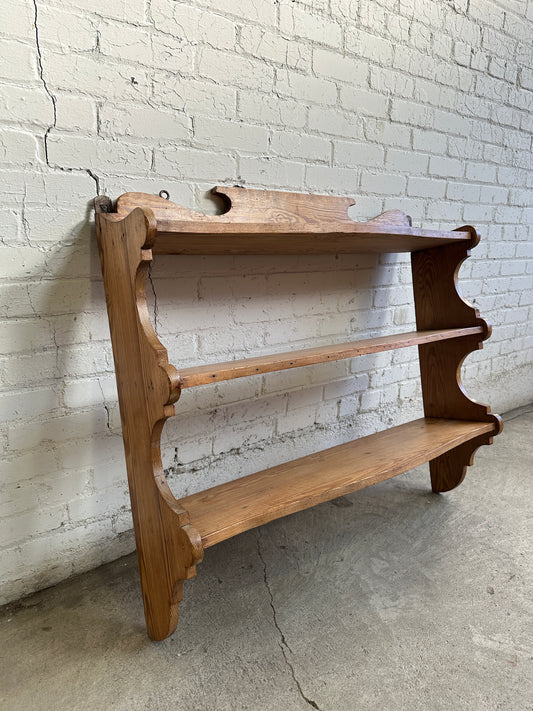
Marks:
<point>392,598</point>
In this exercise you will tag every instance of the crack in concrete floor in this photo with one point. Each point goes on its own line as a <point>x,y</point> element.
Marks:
<point>284,646</point>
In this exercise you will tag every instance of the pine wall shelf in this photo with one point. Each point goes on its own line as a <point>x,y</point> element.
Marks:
<point>171,535</point>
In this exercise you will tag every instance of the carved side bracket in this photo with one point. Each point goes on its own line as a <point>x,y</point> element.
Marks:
<point>439,304</point>
<point>168,547</point>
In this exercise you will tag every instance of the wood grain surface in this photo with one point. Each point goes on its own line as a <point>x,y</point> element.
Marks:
<point>274,222</point>
<point>229,509</point>
<point>168,548</point>
<point>203,374</point>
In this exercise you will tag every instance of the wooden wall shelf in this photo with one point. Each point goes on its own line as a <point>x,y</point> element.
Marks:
<point>171,535</point>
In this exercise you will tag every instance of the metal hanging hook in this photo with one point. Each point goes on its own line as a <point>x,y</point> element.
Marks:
<point>164,194</point>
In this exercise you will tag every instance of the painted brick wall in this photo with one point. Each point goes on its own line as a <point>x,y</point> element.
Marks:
<point>425,106</point>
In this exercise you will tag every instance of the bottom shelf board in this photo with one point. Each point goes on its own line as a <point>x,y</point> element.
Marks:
<point>234,507</point>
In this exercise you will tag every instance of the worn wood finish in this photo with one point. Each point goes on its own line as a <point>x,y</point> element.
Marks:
<point>167,546</point>
<point>438,304</point>
<point>203,374</point>
<point>271,222</point>
<point>228,509</point>
<point>171,535</point>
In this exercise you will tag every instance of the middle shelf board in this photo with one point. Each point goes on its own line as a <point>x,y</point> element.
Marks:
<point>217,372</point>
<point>228,509</point>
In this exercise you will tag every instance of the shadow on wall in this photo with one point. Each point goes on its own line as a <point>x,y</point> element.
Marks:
<point>65,493</point>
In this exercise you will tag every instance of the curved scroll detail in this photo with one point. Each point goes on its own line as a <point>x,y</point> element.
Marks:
<point>276,222</point>
<point>449,469</point>
<point>439,304</point>
<point>296,211</point>
<point>168,547</point>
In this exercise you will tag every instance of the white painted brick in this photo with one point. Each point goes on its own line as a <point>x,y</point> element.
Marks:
<point>493,194</point>
<point>300,146</point>
<point>26,106</point>
<point>387,184</point>
<point>364,102</point>
<point>412,113</point>
<point>519,197</point>
<point>233,135</point>
<point>66,28</point>
<point>19,526</point>
<point>87,392</point>
<point>370,400</point>
<point>112,81</point>
<point>98,504</point>
<point>263,13</point>
<point>75,113</point>
<point>20,263</point>
<point>387,81</point>
<point>259,108</point>
<point>360,153</point>
<point>446,167</point>
<point>387,134</point>
<point>429,141</point>
<point>322,178</point>
<point>125,42</point>
<point>426,187</point>
<point>352,70</point>
<point>332,121</point>
<point>191,163</point>
<point>235,70</point>
<point>57,429</point>
<point>301,22</point>
<point>16,19</point>
<point>172,54</point>
<point>507,214</point>
<point>271,171</point>
<point>526,78</point>
<point>130,120</point>
<point>17,61</point>
<point>28,403</point>
<point>393,296</point>
<point>29,370</point>
<point>231,438</point>
<point>440,211</point>
<point>192,25</point>
<point>307,88</point>
<point>127,10</point>
<point>98,155</point>
<point>481,172</point>
<point>295,420</point>
<point>18,148</point>
<point>271,47</point>
<point>415,208</point>
<point>370,46</point>
<point>194,96</point>
<point>463,191</point>
<point>23,335</point>
<point>406,161</point>
<point>341,388</point>
<point>46,222</point>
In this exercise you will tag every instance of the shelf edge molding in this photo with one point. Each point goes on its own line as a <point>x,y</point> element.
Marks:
<point>229,370</point>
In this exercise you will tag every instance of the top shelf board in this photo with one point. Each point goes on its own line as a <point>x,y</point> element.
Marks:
<point>273,222</point>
